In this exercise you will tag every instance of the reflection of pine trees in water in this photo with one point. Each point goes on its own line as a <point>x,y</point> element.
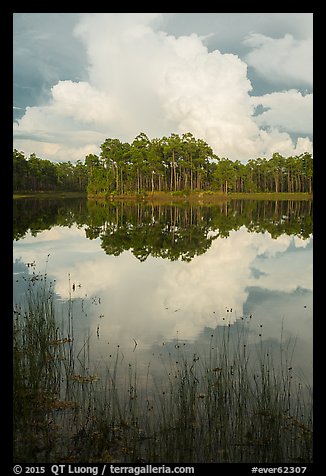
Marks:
<point>169,231</point>
<point>292,217</point>
<point>36,215</point>
<point>160,231</point>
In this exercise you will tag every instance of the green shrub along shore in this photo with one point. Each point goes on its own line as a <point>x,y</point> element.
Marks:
<point>207,197</point>
<point>226,405</point>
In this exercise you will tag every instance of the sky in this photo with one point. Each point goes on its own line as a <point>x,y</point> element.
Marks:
<point>242,82</point>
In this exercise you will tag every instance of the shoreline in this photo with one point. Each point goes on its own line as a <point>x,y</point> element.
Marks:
<point>171,197</point>
<point>41,194</point>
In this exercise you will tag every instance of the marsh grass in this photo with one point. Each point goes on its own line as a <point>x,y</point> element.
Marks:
<point>234,402</point>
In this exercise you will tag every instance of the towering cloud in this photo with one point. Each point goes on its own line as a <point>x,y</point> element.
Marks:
<point>142,79</point>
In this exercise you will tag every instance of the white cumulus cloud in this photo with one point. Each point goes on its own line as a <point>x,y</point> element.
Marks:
<point>140,79</point>
<point>284,59</point>
<point>287,110</point>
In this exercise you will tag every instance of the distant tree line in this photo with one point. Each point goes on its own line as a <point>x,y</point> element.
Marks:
<point>35,174</point>
<point>170,164</point>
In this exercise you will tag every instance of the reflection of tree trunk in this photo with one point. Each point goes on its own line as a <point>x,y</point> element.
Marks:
<point>138,214</point>
<point>152,215</point>
<point>122,211</point>
<point>117,216</point>
<point>310,207</point>
<point>297,210</point>
<point>276,210</point>
<point>264,211</point>
<point>173,213</point>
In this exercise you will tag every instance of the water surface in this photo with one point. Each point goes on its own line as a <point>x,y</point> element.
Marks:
<point>142,277</point>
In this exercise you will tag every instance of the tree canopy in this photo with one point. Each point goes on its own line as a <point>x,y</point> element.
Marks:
<point>169,164</point>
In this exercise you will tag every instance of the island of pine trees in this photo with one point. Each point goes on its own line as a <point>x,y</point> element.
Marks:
<point>179,164</point>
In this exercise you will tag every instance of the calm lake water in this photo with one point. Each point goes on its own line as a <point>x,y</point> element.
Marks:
<point>142,277</point>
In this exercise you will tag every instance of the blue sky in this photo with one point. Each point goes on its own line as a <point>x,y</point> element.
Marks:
<point>241,81</point>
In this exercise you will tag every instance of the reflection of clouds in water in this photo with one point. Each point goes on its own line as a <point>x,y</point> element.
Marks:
<point>300,243</point>
<point>158,298</point>
<point>288,269</point>
<point>288,315</point>
<point>220,278</point>
<point>65,247</point>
